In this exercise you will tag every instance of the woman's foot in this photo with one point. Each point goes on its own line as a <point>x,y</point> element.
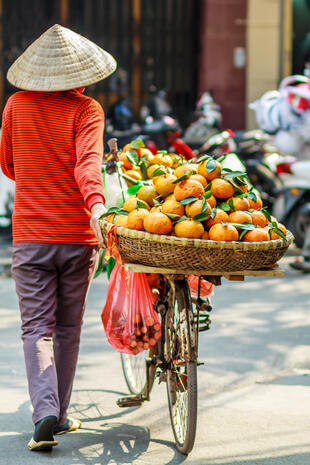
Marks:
<point>301,264</point>
<point>72,424</point>
<point>43,438</point>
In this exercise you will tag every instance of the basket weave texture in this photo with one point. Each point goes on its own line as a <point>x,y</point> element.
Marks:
<point>195,254</point>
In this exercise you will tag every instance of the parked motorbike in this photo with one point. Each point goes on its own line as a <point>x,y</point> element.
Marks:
<point>292,205</point>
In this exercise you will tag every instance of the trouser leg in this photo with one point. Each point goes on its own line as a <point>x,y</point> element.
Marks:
<point>77,265</point>
<point>36,283</point>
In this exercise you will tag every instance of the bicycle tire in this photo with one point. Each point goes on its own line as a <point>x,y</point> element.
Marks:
<point>182,375</point>
<point>134,371</point>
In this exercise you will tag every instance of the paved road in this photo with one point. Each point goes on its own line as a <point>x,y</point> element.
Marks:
<point>254,389</point>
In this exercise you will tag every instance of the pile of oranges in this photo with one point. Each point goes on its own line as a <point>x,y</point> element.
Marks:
<point>186,199</point>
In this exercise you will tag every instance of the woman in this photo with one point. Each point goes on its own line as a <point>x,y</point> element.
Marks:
<point>52,146</point>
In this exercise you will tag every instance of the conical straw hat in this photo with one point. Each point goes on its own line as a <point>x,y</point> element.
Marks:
<point>60,59</point>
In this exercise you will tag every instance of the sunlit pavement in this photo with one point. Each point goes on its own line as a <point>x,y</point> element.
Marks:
<point>254,388</point>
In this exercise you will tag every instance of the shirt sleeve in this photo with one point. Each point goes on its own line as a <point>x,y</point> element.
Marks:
<point>6,152</point>
<point>89,153</point>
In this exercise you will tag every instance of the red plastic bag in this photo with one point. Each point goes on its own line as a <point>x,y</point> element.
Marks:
<point>206,288</point>
<point>129,319</point>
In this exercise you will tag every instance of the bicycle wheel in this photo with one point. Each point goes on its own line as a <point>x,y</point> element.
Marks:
<point>181,347</point>
<point>134,370</point>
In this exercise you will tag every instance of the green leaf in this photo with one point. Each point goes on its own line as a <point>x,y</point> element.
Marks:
<point>231,204</point>
<point>222,158</point>
<point>122,212</point>
<point>252,196</point>
<point>246,226</point>
<point>208,186</point>
<point>224,206</point>
<point>182,178</point>
<point>267,214</point>
<point>182,218</point>
<point>109,212</point>
<point>137,143</point>
<point>233,174</point>
<point>172,216</point>
<point>156,203</point>
<point>201,216</point>
<point>242,234</point>
<point>162,151</point>
<point>100,267</point>
<point>188,200</point>
<point>213,212</point>
<point>235,186</point>
<point>141,204</point>
<point>211,165</point>
<point>132,156</point>
<point>280,233</point>
<point>204,205</point>
<point>207,195</point>
<point>239,181</point>
<point>158,172</point>
<point>203,157</point>
<point>143,167</point>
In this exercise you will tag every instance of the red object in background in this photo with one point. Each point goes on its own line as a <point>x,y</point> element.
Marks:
<point>285,167</point>
<point>150,144</point>
<point>182,148</point>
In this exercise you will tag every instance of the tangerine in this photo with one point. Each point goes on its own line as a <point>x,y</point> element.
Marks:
<point>211,201</point>
<point>223,232</point>
<point>239,203</point>
<point>147,193</point>
<point>199,178</point>
<point>259,218</point>
<point>135,175</point>
<point>158,223</point>
<point>164,183</point>
<point>219,217</point>
<point>172,206</point>
<point>189,228</point>
<point>207,173</point>
<point>275,236</point>
<point>126,163</point>
<point>110,218</point>
<point>205,236</point>
<point>239,217</point>
<point>188,188</point>
<point>256,204</point>
<point>163,159</point>
<point>222,189</point>
<point>256,235</point>
<point>122,220</point>
<point>185,169</point>
<point>136,218</point>
<point>195,208</point>
<point>132,202</point>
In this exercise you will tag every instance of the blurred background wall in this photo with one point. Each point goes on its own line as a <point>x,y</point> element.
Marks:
<point>237,49</point>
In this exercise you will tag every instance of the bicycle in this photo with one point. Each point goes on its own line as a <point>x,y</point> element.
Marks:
<point>174,359</point>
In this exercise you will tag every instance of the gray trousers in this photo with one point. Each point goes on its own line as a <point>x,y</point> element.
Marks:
<point>52,282</point>
<point>305,251</point>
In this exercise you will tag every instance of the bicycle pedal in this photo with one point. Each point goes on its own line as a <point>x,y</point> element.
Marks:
<point>130,401</point>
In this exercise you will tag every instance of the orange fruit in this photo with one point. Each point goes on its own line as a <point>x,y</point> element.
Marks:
<point>199,178</point>
<point>155,209</point>
<point>222,189</point>
<point>144,152</point>
<point>164,184</point>
<point>158,223</point>
<point>205,236</point>
<point>172,206</point>
<point>133,175</point>
<point>110,218</point>
<point>223,232</point>
<point>185,169</point>
<point>209,175</point>
<point>126,163</point>
<point>239,217</point>
<point>195,208</point>
<point>211,201</point>
<point>259,218</point>
<point>128,147</point>
<point>220,216</point>
<point>256,235</point>
<point>189,228</point>
<point>239,203</point>
<point>275,236</point>
<point>147,193</point>
<point>152,168</point>
<point>169,197</point>
<point>136,217</point>
<point>131,203</point>
<point>258,205</point>
<point>188,188</point>
<point>121,220</point>
<point>163,159</point>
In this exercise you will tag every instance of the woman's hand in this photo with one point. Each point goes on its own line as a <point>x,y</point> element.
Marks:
<point>97,210</point>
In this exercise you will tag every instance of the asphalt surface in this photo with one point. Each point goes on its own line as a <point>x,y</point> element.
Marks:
<point>254,388</point>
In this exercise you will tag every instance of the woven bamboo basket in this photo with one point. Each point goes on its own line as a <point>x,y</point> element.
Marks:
<point>195,254</point>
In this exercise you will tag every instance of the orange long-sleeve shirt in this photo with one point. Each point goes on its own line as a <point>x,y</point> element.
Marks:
<point>52,146</point>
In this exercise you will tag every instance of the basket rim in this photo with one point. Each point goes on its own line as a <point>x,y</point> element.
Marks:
<point>202,243</point>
